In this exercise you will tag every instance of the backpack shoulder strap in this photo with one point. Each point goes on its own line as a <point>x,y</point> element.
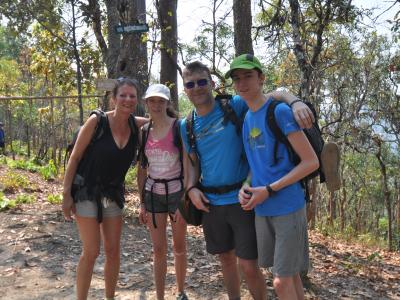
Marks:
<point>101,123</point>
<point>191,137</point>
<point>144,134</point>
<point>176,134</point>
<point>132,124</point>
<point>229,112</point>
<point>177,141</point>
<point>273,126</point>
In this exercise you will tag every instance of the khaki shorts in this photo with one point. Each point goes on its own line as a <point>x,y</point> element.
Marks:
<point>282,242</point>
<point>88,209</point>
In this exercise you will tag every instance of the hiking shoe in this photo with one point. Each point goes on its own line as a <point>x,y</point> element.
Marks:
<point>330,160</point>
<point>182,296</point>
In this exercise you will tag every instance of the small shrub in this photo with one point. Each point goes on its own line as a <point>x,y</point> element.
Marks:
<point>11,182</point>
<point>54,198</point>
<point>49,171</point>
<point>25,198</point>
<point>5,203</point>
<point>28,165</point>
<point>130,178</point>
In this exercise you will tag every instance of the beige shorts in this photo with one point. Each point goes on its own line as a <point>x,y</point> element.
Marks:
<point>88,209</point>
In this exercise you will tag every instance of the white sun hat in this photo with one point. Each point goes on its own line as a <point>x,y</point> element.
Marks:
<point>158,90</point>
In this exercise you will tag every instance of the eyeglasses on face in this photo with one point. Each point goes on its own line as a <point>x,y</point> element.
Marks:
<point>192,84</point>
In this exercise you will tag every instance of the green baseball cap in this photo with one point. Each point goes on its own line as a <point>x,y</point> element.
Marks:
<point>244,61</point>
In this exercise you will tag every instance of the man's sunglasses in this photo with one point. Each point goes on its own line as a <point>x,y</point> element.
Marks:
<point>192,84</point>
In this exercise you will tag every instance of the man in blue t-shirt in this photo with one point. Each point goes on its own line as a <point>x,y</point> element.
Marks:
<point>275,193</point>
<point>2,139</point>
<point>220,163</point>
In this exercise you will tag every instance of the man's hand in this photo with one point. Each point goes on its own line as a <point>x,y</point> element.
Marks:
<point>303,114</point>
<point>244,194</point>
<point>198,199</point>
<point>257,196</point>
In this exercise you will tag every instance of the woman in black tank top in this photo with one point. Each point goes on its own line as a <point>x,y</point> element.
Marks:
<point>107,159</point>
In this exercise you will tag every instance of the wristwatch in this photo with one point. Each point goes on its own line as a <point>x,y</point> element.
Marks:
<point>271,192</point>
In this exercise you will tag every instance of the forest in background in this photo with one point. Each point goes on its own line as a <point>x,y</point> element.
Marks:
<point>326,51</point>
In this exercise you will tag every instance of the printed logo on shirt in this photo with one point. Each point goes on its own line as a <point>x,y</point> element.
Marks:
<point>255,138</point>
<point>211,129</point>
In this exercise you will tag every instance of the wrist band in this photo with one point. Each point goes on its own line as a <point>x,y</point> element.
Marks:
<point>189,189</point>
<point>293,102</point>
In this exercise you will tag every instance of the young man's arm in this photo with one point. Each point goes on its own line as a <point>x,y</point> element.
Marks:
<point>302,113</point>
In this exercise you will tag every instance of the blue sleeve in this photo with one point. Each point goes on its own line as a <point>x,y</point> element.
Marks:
<point>285,119</point>
<point>239,106</point>
<point>184,135</point>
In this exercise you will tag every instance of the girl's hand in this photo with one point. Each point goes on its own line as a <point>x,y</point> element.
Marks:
<point>142,214</point>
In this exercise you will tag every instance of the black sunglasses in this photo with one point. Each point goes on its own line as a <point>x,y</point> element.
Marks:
<point>192,84</point>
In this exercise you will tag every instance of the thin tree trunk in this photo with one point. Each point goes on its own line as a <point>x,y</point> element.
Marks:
<point>242,22</point>
<point>166,10</point>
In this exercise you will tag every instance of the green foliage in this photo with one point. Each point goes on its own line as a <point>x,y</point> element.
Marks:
<point>25,198</point>
<point>6,203</point>
<point>22,164</point>
<point>54,198</point>
<point>12,181</point>
<point>49,171</point>
<point>130,178</point>
<point>185,106</point>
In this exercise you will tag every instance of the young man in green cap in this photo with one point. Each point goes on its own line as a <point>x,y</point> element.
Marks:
<point>228,229</point>
<point>275,192</point>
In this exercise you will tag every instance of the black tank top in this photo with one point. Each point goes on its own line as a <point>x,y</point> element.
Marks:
<point>108,166</point>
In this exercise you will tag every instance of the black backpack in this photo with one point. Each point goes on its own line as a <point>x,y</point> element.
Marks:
<point>313,135</point>
<point>229,116</point>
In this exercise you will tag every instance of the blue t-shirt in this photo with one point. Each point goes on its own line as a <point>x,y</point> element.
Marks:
<point>220,149</point>
<point>259,143</point>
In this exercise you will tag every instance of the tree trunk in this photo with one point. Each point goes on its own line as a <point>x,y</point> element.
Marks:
<point>342,205</point>
<point>242,22</point>
<point>386,194</point>
<point>166,10</point>
<point>77,62</point>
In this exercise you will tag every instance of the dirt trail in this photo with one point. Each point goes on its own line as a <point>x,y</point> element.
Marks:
<point>39,253</point>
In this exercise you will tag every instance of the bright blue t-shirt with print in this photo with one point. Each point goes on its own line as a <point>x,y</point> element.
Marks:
<point>259,143</point>
<point>220,150</point>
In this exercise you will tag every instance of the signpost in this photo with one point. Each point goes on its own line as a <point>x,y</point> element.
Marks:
<point>105,84</point>
<point>132,28</point>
